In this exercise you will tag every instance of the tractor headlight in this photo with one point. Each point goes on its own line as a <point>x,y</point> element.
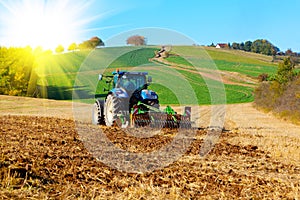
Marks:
<point>148,94</point>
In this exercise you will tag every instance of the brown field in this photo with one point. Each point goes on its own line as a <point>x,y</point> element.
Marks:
<point>43,157</point>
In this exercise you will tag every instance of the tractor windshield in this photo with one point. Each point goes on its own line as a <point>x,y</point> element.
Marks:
<point>131,82</point>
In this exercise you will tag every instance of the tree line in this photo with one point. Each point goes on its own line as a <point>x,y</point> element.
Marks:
<point>261,46</point>
<point>90,44</point>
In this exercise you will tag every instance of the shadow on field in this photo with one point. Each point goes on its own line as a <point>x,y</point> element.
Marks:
<point>63,92</point>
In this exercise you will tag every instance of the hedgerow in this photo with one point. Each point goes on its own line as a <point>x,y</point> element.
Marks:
<point>281,93</point>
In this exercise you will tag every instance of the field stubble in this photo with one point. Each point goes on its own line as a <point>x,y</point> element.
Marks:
<point>43,157</point>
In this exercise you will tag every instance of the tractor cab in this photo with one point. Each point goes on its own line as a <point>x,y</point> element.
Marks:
<point>130,81</point>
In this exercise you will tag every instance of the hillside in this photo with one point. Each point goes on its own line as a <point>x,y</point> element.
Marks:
<point>61,75</point>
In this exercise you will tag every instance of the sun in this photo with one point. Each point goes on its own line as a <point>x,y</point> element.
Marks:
<point>44,23</point>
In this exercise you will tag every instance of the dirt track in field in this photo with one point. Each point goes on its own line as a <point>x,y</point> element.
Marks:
<point>230,78</point>
<point>44,157</point>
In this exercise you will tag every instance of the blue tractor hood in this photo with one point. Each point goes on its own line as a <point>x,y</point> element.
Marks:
<point>148,94</point>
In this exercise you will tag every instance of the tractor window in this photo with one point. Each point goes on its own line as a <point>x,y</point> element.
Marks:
<point>139,81</point>
<point>131,82</point>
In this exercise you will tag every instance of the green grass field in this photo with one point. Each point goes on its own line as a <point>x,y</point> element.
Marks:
<point>76,73</point>
<point>230,60</point>
<point>244,68</point>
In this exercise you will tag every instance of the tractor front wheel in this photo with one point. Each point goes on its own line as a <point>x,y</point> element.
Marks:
<point>97,113</point>
<point>111,109</point>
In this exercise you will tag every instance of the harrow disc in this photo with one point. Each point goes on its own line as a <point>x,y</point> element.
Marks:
<point>160,120</point>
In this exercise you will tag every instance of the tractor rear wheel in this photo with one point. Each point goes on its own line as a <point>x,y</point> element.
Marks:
<point>97,113</point>
<point>111,109</point>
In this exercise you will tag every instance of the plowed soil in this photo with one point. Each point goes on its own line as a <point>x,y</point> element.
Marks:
<point>44,157</point>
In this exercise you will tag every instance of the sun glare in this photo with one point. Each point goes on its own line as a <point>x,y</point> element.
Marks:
<point>43,23</point>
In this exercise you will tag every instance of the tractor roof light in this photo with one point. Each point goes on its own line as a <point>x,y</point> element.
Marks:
<point>129,73</point>
<point>137,73</point>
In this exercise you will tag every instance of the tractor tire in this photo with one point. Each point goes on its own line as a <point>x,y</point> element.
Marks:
<point>98,113</point>
<point>111,109</point>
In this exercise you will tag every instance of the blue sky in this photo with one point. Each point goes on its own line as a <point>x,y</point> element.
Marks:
<point>205,21</point>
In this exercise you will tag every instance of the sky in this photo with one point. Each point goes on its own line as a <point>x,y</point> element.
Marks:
<point>204,21</point>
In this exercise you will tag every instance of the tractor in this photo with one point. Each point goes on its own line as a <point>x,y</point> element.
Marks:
<point>131,103</point>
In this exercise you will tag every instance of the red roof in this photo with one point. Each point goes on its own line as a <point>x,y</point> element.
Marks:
<point>222,45</point>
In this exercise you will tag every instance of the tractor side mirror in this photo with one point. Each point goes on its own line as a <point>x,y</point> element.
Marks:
<point>100,77</point>
<point>149,79</point>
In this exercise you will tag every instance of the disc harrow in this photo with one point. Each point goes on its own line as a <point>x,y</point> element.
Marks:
<point>160,120</point>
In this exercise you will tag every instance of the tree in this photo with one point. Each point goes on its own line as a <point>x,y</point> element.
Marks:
<point>16,67</point>
<point>85,45</point>
<point>212,45</point>
<point>95,42</point>
<point>136,40</point>
<point>289,52</point>
<point>91,43</point>
<point>72,47</point>
<point>256,46</point>
<point>264,47</point>
<point>242,46</point>
<point>247,46</point>
<point>285,71</point>
<point>59,49</point>
<point>235,45</point>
